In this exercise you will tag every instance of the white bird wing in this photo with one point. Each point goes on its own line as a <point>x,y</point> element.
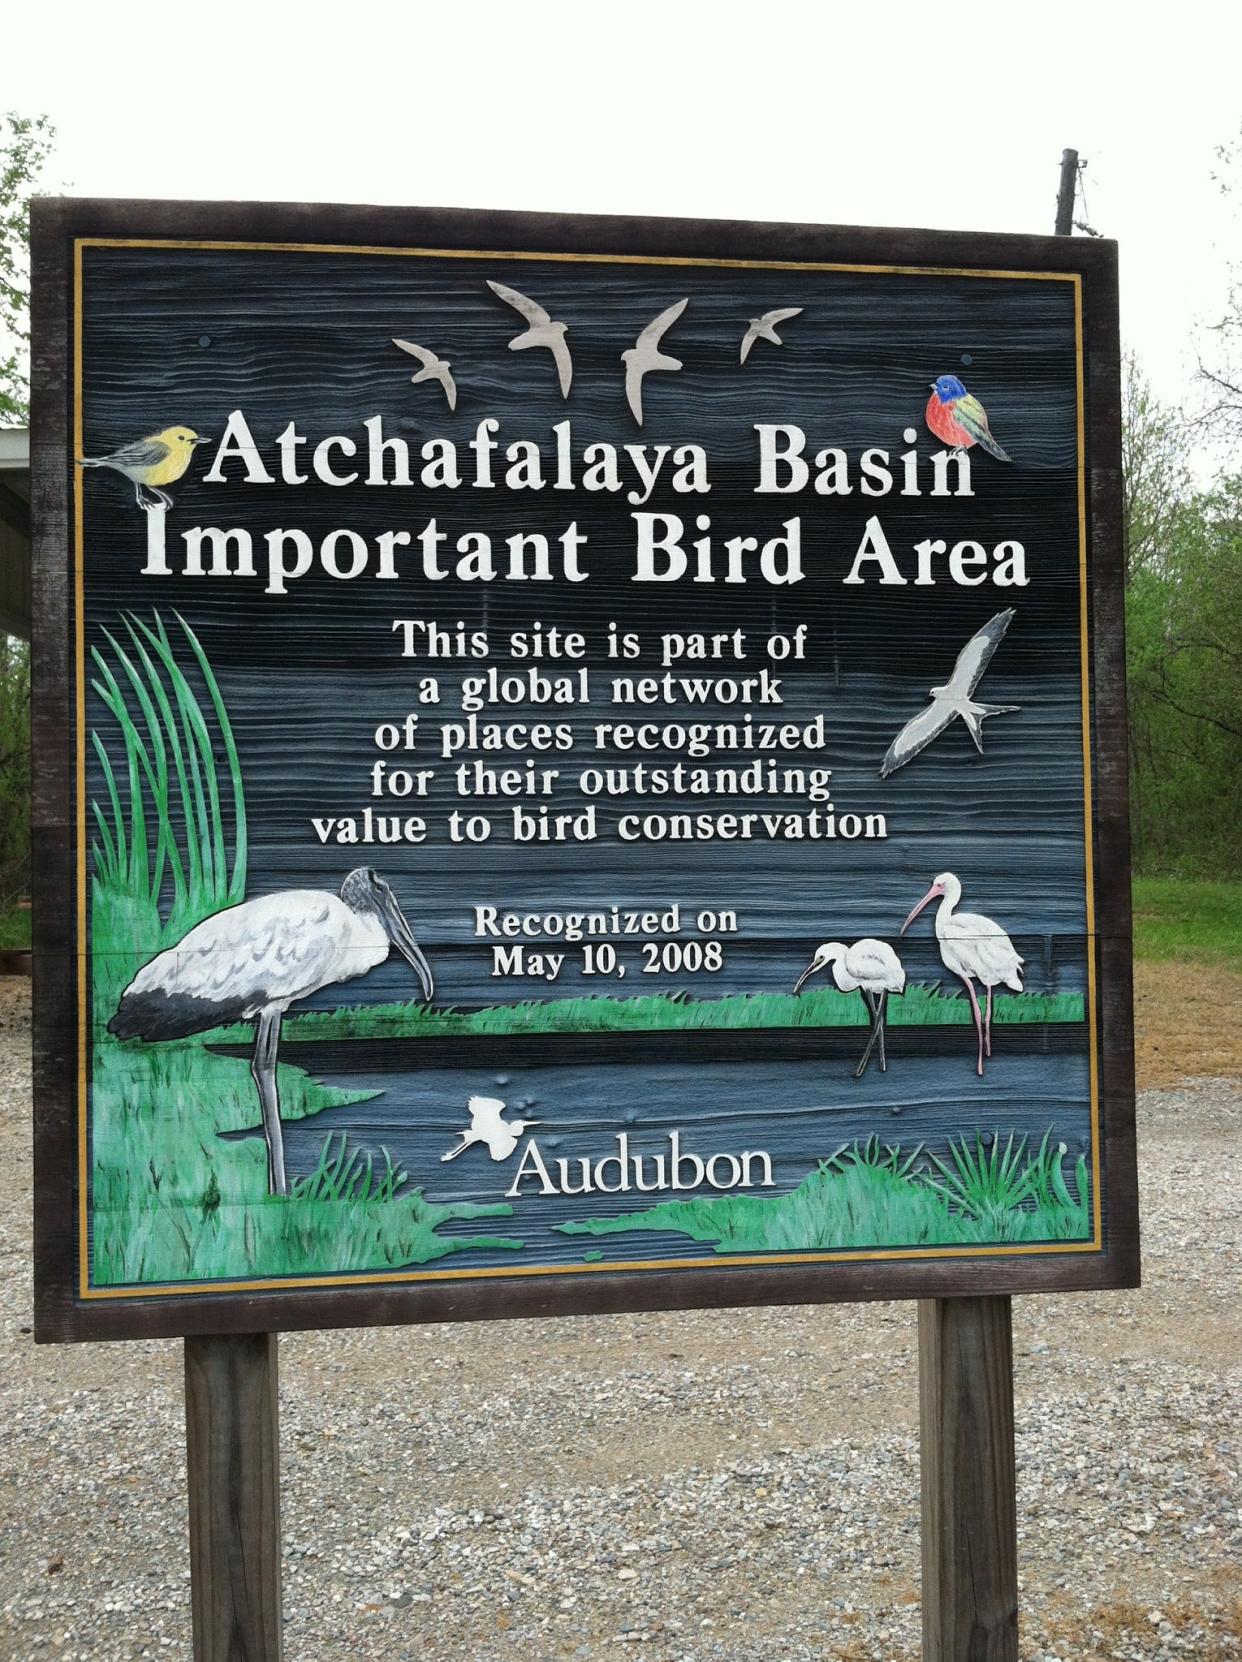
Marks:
<point>272,950</point>
<point>916,735</point>
<point>634,386</point>
<point>564,364</point>
<point>749,339</point>
<point>426,358</point>
<point>655,329</point>
<point>779,316</point>
<point>874,962</point>
<point>986,946</point>
<point>976,655</point>
<point>485,1112</point>
<point>531,310</point>
<point>450,388</point>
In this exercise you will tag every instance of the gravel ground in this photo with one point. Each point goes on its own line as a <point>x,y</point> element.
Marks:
<point>694,1488</point>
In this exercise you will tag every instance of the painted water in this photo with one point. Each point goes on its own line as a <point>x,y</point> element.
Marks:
<point>797,1111</point>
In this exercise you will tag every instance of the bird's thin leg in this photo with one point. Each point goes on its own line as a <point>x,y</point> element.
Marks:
<point>987,1027</point>
<point>263,1067</point>
<point>163,496</point>
<point>974,1005</point>
<point>142,501</point>
<point>866,1055</point>
<point>881,1021</point>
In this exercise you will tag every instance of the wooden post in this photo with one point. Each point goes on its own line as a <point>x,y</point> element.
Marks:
<point>1067,193</point>
<point>970,1516</point>
<point>233,1466</point>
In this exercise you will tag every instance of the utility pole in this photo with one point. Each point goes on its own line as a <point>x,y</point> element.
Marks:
<point>1066,194</point>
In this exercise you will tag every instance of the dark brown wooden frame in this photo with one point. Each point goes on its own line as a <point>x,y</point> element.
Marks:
<point>59,1313</point>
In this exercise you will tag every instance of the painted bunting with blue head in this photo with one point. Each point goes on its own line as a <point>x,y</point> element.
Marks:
<point>956,417</point>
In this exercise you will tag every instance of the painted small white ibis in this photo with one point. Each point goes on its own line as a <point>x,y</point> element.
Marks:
<point>488,1126</point>
<point>870,968</point>
<point>251,962</point>
<point>973,948</point>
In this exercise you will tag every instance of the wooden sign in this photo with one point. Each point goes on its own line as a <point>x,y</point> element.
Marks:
<point>581,767</point>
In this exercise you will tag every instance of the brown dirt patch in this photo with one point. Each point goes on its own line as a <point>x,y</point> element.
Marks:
<point>1185,1022</point>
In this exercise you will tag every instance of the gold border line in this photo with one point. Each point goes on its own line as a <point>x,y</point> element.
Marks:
<point>717,1261</point>
<point>596,259</point>
<point>79,647</point>
<point>1097,1199</point>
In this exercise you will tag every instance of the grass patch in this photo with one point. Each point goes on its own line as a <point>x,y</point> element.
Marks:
<point>1180,919</point>
<point>872,1195</point>
<point>921,1005</point>
<point>15,930</point>
<point>175,1202</point>
<point>171,1199</point>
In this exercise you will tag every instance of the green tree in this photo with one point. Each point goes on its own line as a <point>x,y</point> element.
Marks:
<point>25,143</point>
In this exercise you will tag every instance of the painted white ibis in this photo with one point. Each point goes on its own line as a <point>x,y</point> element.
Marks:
<point>251,962</point>
<point>973,948</point>
<point>870,968</point>
<point>488,1126</point>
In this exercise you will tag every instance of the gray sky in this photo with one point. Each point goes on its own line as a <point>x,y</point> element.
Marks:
<point>896,115</point>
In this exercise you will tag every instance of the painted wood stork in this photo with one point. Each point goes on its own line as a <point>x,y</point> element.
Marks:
<point>488,1126</point>
<point>870,968</point>
<point>973,948</point>
<point>251,962</point>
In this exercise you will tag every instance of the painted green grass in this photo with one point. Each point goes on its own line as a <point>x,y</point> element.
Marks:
<point>172,1200</point>
<point>869,1195</point>
<point>1174,918</point>
<point>919,1006</point>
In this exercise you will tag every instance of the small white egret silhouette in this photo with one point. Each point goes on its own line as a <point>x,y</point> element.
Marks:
<point>645,355</point>
<point>542,330</point>
<point>434,369</point>
<point>487,1126</point>
<point>764,328</point>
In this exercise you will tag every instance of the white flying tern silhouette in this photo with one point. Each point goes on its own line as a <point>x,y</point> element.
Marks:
<point>765,327</point>
<point>434,369</point>
<point>542,331</point>
<point>487,1126</point>
<point>954,699</point>
<point>645,355</point>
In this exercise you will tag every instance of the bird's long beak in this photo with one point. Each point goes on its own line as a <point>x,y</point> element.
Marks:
<point>808,971</point>
<point>203,438</point>
<point>932,894</point>
<point>402,937</point>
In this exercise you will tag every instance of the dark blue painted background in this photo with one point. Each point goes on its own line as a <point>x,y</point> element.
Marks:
<point>189,336</point>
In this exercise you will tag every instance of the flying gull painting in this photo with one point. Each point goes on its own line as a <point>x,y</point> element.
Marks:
<point>954,699</point>
<point>434,369</point>
<point>541,330</point>
<point>764,328</point>
<point>645,355</point>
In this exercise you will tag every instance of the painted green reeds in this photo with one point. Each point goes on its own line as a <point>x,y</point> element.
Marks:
<point>870,1194</point>
<point>169,842</point>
